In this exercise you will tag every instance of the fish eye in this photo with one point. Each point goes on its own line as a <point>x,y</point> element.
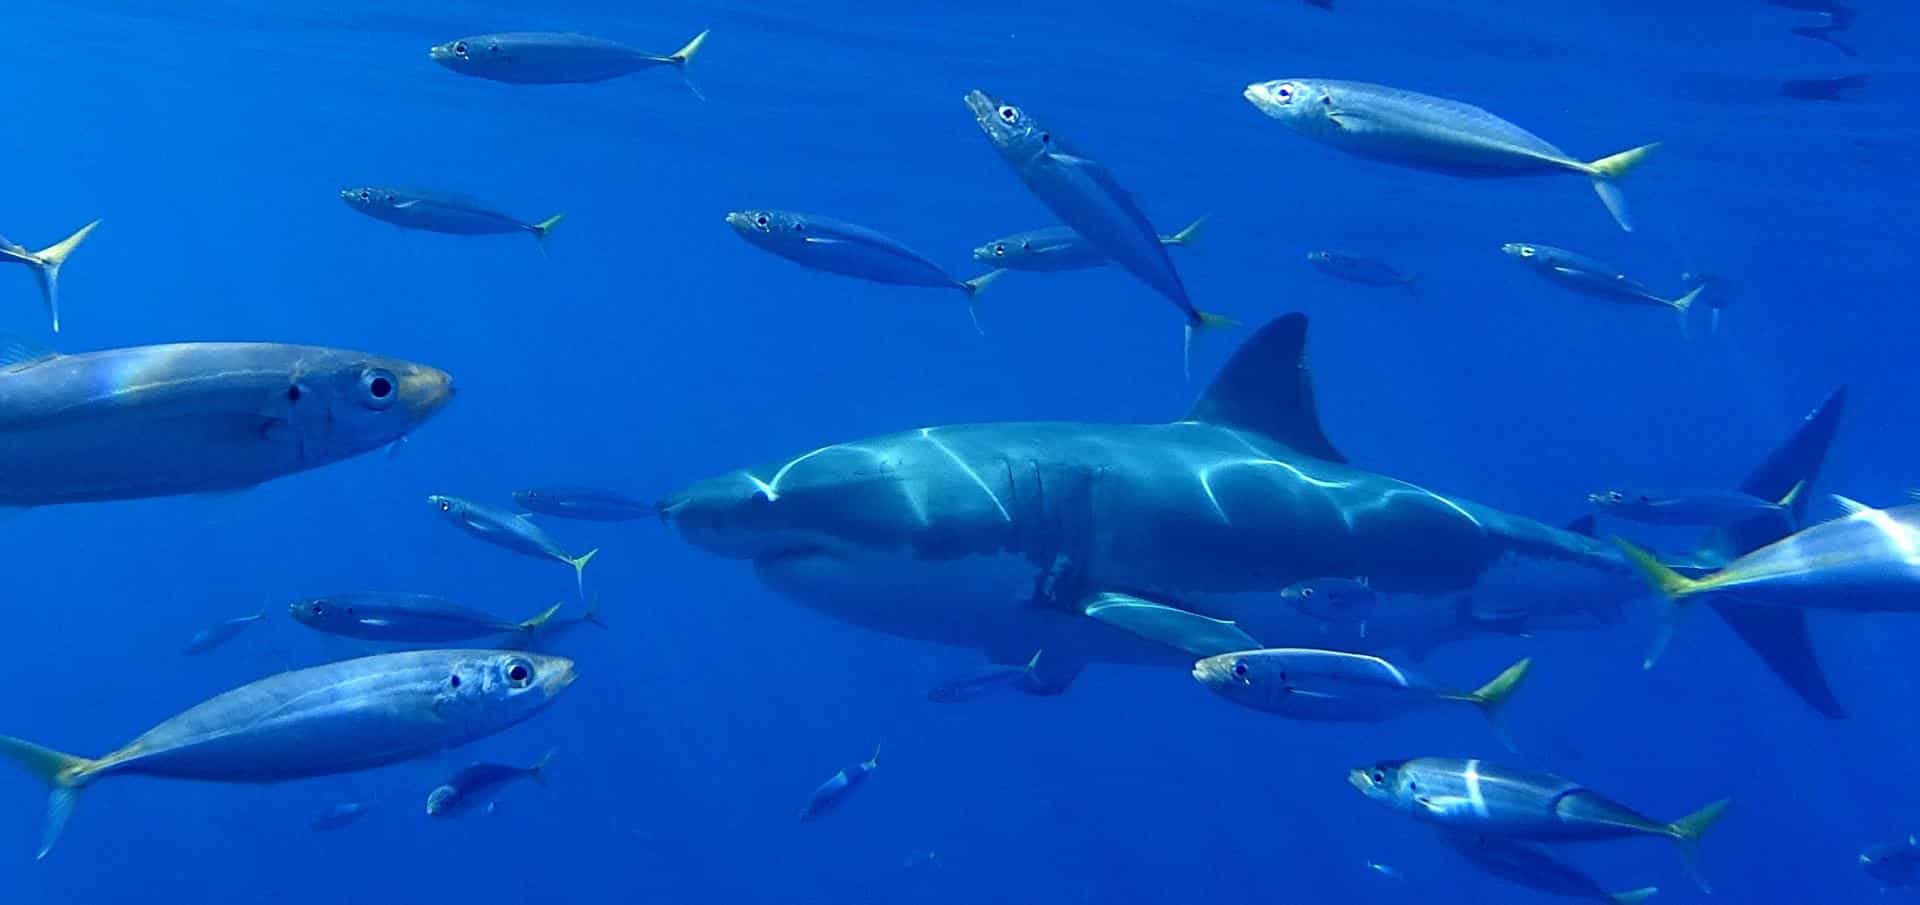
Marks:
<point>1283,93</point>
<point>446,506</point>
<point>460,48</point>
<point>1379,778</point>
<point>1306,593</point>
<point>453,681</point>
<point>378,386</point>
<point>1240,668</point>
<point>1000,249</point>
<point>761,221</point>
<point>1526,251</point>
<point>1046,137</point>
<point>366,195</point>
<point>519,673</point>
<point>318,609</point>
<point>1010,114</point>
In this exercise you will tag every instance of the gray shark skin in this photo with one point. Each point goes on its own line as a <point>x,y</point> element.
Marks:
<point>997,536</point>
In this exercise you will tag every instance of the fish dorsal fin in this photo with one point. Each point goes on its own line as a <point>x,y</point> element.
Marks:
<point>1266,388</point>
<point>18,351</point>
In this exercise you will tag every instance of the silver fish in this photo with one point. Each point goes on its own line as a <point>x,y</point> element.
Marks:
<point>340,815</point>
<point>1360,269</point>
<point>1596,279</point>
<point>1057,248</point>
<point>46,265</point>
<point>823,243</point>
<point>1536,868</point>
<point>1701,509</point>
<point>1895,865</point>
<point>407,618</point>
<point>513,531</point>
<point>210,417</point>
<point>337,718</point>
<point>553,58</point>
<point>219,633</point>
<point>1335,686</point>
<point>589,503</point>
<point>836,789</point>
<point>466,790</point>
<point>441,212</point>
<point>976,685</point>
<point>1432,133</point>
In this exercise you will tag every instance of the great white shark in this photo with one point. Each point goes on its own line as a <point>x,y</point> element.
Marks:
<point>1132,543</point>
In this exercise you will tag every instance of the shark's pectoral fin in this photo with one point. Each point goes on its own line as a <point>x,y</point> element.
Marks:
<point>1198,635</point>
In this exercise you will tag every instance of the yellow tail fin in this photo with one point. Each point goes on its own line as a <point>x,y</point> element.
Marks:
<point>545,616</point>
<point>64,773</point>
<point>1492,697</point>
<point>1188,234</point>
<point>683,58</point>
<point>1635,896</point>
<point>1674,590</point>
<point>579,564</point>
<point>1687,832</point>
<point>56,254</point>
<point>47,263</point>
<point>1617,165</point>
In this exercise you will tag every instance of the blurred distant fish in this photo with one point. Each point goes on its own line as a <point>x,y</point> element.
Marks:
<point>1058,248</point>
<point>589,503</point>
<point>510,530</point>
<point>1704,509</point>
<point>552,58</point>
<point>823,243</point>
<point>557,626</point>
<point>220,633</point>
<point>441,212</point>
<point>471,788</point>
<point>1535,868</point>
<point>1862,562</point>
<point>1087,197</point>
<point>46,265</point>
<point>835,790</point>
<point>338,718</point>
<point>1359,269</point>
<point>922,859</point>
<point>973,686</point>
<point>1342,600</point>
<point>406,618</point>
<point>1334,686</point>
<point>192,418</point>
<point>1386,870</point>
<point>1832,88</point>
<point>1432,133</point>
<point>1896,865</point>
<point>1595,279</point>
<point>340,815</point>
<point>1834,17</point>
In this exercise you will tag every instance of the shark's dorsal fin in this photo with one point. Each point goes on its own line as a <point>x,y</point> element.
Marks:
<point>1265,388</point>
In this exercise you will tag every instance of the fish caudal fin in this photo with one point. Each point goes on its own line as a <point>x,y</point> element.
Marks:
<point>1607,170</point>
<point>47,263</point>
<point>1687,832</point>
<point>538,772</point>
<point>1674,589</point>
<point>579,564</point>
<point>973,288</point>
<point>541,229</point>
<point>683,58</point>
<point>64,773</point>
<point>1203,320</point>
<point>1635,896</point>
<point>1492,697</point>
<point>538,622</point>
<point>593,612</point>
<point>1187,235</point>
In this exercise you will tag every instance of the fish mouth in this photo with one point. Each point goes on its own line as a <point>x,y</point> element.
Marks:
<point>439,53</point>
<point>1357,778</point>
<point>1210,672</point>
<point>429,389</point>
<point>982,105</point>
<point>558,680</point>
<point>739,220</point>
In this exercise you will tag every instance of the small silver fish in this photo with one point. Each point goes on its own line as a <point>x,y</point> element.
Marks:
<point>464,792</point>
<point>823,243</point>
<point>1058,248</point>
<point>1535,868</point>
<point>1704,509</point>
<point>554,58</point>
<point>1360,269</point>
<point>1596,279</point>
<point>442,212</point>
<point>219,633</point>
<point>511,531</point>
<point>835,790</point>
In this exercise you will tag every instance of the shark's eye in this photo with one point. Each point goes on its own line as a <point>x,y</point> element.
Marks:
<point>1010,114</point>
<point>377,387</point>
<point>319,609</point>
<point>1046,137</point>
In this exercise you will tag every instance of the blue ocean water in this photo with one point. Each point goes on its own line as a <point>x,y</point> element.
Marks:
<point>651,348</point>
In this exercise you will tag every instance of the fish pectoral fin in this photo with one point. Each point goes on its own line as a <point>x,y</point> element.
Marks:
<point>822,240</point>
<point>1201,636</point>
<point>407,204</point>
<point>18,352</point>
<point>1442,805</point>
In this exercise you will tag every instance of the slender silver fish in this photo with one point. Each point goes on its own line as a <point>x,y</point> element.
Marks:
<point>442,212</point>
<point>593,504</point>
<point>1535,868</point>
<point>337,718</point>
<point>1701,509</point>
<point>46,265</point>
<point>1432,133</point>
<point>1596,279</point>
<point>208,417</point>
<point>219,633</point>
<point>1339,687</point>
<point>836,789</point>
<point>835,246</point>
<point>340,815</point>
<point>1360,269</point>
<point>510,530</point>
<point>1056,248</point>
<point>1479,797</point>
<point>407,618</point>
<point>555,58</point>
<point>469,790</point>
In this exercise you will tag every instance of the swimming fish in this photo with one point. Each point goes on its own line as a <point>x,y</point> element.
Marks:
<point>835,790</point>
<point>559,626</point>
<point>219,633</point>
<point>1896,865</point>
<point>1432,133</point>
<point>513,531</point>
<point>589,503</point>
<point>1386,870</point>
<point>1704,509</point>
<point>1862,562</point>
<point>1535,868</point>
<point>1363,270</point>
<point>976,685</point>
<point>340,815</point>
<point>466,791</point>
<point>1333,686</point>
<point>207,417</point>
<point>1087,197</point>
<point>46,265</point>
<point>337,718</point>
<point>1830,88</point>
<point>1058,248</point>
<point>552,58</point>
<point>441,212</point>
<point>1477,797</point>
<point>1594,278</point>
<point>822,243</point>
<point>1341,600</point>
<point>407,618</point>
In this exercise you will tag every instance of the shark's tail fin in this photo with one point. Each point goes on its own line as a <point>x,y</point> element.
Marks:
<point>63,773</point>
<point>46,269</point>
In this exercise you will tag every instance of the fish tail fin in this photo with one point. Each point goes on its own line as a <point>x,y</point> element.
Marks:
<point>593,612</point>
<point>540,621</point>
<point>1793,494</point>
<point>973,288</point>
<point>1202,321</point>
<point>579,564</point>
<point>874,761</point>
<point>1033,662</point>
<point>1412,285</point>
<point>1674,589</point>
<point>683,58</point>
<point>63,773</point>
<point>1635,896</point>
<point>539,769</point>
<point>1492,697</point>
<point>541,229</point>
<point>1608,170</point>
<point>47,263</point>
<point>1687,832</point>
<point>1188,233</point>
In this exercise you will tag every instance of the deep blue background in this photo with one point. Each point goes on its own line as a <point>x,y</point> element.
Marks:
<point>653,348</point>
